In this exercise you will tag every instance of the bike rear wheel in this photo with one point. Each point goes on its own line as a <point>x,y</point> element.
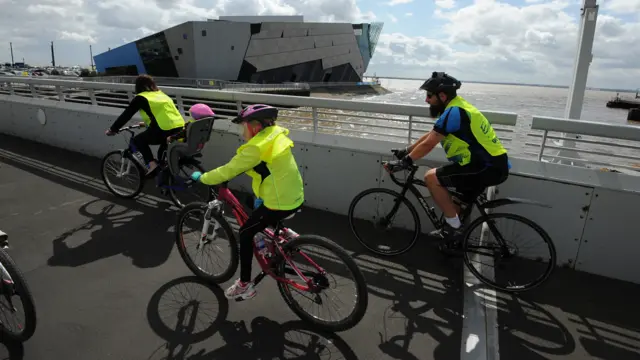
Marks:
<point>194,192</point>
<point>322,280</point>
<point>193,214</point>
<point>112,163</point>
<point>387,205</point>
<point>489,244</point>
<point>16,285</point>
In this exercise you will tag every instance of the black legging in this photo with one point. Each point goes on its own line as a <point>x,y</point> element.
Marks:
<point>153,136</point>
<point>258,221</point>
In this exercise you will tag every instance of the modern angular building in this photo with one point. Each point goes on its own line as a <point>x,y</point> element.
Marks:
<point>259,49</point>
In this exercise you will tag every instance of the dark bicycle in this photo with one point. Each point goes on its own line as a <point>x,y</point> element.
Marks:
<point>13,283</point>
<point>501,250</point>
<point>128,161</point>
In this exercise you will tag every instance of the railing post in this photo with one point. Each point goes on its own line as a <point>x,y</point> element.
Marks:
<point>92,97</point>
<point>239,106</point>
<point>33,90</point>
<point>544,140</point>
<point>60,93</point>
<point>12,91</point>
<point>410,128</point>
<point>180,105</point>
<point>314,117</point>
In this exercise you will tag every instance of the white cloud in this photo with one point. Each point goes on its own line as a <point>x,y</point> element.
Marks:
<point>486,40</point>
<point>408,14</point>
<point>398,2</point>
<point>494,41</point>
<point>393,18</point>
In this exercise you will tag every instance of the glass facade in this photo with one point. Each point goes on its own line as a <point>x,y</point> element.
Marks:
<point>156,56</point>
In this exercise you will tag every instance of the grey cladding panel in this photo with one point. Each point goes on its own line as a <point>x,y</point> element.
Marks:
<point>258,47</point>
<point>268,34</point>
<point>331,29</point>
<point>284,59</point>
<point>183,48</point>
<point>219,54</point>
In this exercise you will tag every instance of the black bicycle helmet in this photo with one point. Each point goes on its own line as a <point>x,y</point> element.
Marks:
<point>441,82</point>
<point>264,114</point>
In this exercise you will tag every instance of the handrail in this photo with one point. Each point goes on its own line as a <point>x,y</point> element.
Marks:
<point>585,127</point>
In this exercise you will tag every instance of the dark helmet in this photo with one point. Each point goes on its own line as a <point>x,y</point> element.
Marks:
<point>264,114</point>
<point>441,82</point>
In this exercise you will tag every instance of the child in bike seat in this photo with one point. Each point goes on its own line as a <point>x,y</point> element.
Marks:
<point>277,184</point>
<point>197,112</point>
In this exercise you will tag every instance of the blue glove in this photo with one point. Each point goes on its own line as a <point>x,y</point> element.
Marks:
<point>196,175</point>
<point>257,203</point>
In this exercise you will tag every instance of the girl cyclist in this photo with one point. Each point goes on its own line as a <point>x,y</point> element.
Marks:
<point>277,184</point>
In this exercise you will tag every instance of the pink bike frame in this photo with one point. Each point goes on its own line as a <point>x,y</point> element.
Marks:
<point>225,195</point>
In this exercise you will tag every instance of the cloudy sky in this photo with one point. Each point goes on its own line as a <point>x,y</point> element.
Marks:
<point>530,41</point>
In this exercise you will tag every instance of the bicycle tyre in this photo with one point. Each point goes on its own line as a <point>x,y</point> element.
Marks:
<point>405,201</point>
<point>537,228</point>
<point>106,183</point>
<point>172,192</point>
<point>26,297</point>
<point>361,285</point>
<point>195,269</point>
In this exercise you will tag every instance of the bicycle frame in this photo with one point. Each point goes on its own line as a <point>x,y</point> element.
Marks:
<point>275,246</point>
<point>4,274</point>
<point>132,149</point>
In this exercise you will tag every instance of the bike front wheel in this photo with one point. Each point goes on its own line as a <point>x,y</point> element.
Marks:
<point>116,168</point>
<point>375,210</point>
<point>219,242</point>
<point>15,285</point>
<point>319,278</point>
<point>496,259</point>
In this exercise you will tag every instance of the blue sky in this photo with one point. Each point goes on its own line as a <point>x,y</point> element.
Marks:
<point>489,40</point>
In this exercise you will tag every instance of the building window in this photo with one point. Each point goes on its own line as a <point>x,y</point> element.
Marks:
<point>184,36</point>
<point>204,32</point>
<point>180,51</point>
<point>232,47</point>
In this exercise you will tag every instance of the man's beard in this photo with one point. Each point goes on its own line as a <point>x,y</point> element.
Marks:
<point>436,110</point>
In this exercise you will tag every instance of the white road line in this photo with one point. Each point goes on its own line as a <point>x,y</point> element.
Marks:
<point>480,315</point>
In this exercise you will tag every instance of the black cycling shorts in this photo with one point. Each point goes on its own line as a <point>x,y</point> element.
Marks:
<point>472,179</point>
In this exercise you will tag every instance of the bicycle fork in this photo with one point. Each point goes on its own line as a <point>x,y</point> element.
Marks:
<point>204,237</point>
<point>7,287</point>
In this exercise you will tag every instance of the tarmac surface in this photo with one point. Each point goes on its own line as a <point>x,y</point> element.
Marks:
<point>109,284</point>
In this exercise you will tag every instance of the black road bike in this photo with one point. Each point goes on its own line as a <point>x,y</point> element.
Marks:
<point>501,250</point>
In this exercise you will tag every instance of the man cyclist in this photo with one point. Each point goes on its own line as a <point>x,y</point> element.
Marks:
<point>478,159</point>
<point>160,115</point>
<point>277,183</point>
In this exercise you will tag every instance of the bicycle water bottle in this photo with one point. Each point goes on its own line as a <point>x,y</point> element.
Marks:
<point>261,244</point>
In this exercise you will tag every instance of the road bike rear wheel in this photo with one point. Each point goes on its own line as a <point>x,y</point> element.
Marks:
<point>194,192</point>
<point>322,282</point>
<point>218,226</point>
<point>112,162</point>
<point>380,202</point>
<point>17,285</point>
<point>489,246</point>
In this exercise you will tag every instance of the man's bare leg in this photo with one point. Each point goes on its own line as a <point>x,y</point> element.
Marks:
<point>442,198</point>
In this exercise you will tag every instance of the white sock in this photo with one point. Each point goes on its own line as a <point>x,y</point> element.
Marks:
<point>454,222</point>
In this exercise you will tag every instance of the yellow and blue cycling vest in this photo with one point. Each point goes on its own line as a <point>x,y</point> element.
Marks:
<point>268,160</point>
<point>163,109</point>
<point>469,137</point>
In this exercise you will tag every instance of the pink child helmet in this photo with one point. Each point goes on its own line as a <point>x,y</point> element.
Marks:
<point>199,111</point>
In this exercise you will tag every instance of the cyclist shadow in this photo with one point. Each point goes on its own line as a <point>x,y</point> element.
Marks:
<point>267,339</point>
<point>11,350</point>
<point>117,229</point>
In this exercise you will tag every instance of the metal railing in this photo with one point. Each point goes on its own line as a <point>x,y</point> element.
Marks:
<point>215,84</point>
<point>379,121</point>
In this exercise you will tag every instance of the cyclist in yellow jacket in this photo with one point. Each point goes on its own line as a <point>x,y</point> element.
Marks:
<point>477,158</point>
<point>277,184</point>
<point>160,115</point>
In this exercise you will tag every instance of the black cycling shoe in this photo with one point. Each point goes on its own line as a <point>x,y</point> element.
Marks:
<point>452,240</point>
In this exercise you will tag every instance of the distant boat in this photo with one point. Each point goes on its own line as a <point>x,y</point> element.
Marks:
<point>621,103</point>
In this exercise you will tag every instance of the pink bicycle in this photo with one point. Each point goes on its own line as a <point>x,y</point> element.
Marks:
<point>275,258</point>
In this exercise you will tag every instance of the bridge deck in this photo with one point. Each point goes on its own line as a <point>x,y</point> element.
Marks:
<point>109,284</point>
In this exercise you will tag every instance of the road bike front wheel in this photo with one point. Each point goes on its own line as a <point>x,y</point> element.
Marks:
<point>15,284</point>
<point>319,281</point>
<point>116,168</point>
<point>219,241</point>
<point>380,207</point>
<point>488,250</point>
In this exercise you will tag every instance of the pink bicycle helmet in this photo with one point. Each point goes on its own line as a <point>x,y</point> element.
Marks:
<point>265,114</point>
<point>199,111</point>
